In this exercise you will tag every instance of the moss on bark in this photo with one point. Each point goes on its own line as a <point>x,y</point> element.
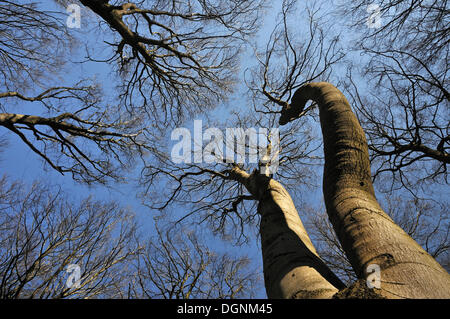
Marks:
<point>358,290</point>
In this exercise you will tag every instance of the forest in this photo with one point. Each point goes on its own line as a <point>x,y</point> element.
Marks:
<point>224,149</point>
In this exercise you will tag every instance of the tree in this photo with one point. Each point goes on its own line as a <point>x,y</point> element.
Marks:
<point>72,129</point>
<point>426,222</point>
<point>221,200</point>
<point>175,60</point>
<point>176,57</point>
<point>367,234</point>
<point>404,104</point>
<point>183,60</point>
<point>225,194</point>
<point>89,143</point>
<point>46,238</point>
<point>177,264</point>
<point>32,45</point>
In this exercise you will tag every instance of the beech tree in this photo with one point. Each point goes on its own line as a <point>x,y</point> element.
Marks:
<point>291,262</point>
<point>232,199</point>
<point>366,233</point>
<point>47,241</point>
<point>169,60</point>
<point>292,267</point>
<point>46,238</point>
<point>69,126</point>
<point>177,264</point>
<point>426,222</point>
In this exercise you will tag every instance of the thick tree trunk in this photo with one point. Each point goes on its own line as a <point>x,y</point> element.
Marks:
<point>368,235</point>
<point>292,267</point>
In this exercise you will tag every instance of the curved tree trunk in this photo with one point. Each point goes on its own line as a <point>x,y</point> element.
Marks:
<point>292,267</point>
<point>367,234</point>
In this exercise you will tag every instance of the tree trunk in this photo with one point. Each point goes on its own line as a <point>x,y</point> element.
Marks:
<point>292,267</point>
<point>367,234</point>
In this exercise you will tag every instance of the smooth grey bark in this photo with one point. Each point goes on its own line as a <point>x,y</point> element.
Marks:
<point>367,234</point>
<point>292,267</point>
